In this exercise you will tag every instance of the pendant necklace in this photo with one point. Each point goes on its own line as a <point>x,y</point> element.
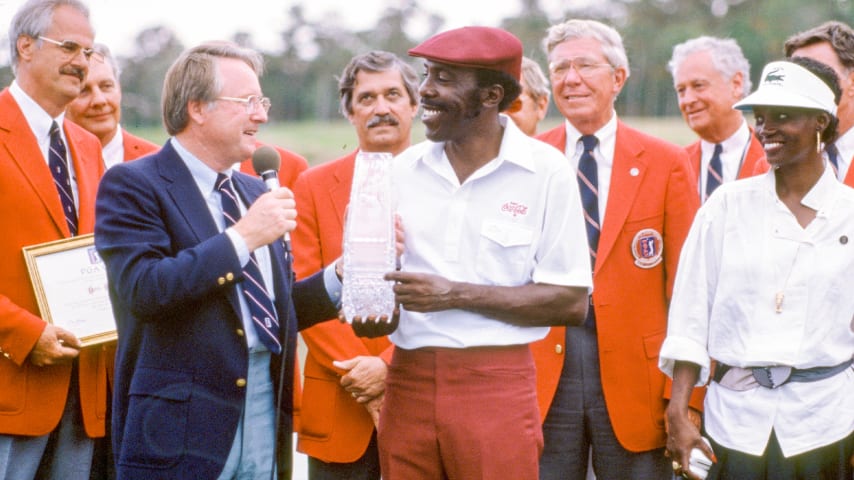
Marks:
<point>781,294</point>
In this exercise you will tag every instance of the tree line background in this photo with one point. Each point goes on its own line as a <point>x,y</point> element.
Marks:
<point>301,77</point>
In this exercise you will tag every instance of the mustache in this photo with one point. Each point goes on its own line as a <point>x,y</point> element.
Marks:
<point>75,71</point>
<point>386,119</point>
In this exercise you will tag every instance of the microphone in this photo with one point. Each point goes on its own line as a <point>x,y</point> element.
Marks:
<point>266,162</point>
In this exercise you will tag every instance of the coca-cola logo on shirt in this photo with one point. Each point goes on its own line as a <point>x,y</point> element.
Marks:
<point>514,208</point>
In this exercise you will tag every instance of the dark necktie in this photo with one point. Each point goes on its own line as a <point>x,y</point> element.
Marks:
<point>588,186</point>
<point>261,307</point>
<point>833,157</point>
<point>61,177</point>
<point>714,175</point>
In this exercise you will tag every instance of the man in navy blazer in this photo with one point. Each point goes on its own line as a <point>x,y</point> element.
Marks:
<point>195,386</point>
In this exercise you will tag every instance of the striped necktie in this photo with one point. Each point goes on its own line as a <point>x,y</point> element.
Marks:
<point>261,307</point>
<point>714,174</point>
<point>588,187</point>
<point>61,178</point>
<point>833,157</point>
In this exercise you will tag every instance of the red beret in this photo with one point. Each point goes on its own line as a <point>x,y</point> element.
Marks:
<point>475,47</point>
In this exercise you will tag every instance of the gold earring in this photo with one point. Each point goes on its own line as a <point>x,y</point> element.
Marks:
<point>818,142</point>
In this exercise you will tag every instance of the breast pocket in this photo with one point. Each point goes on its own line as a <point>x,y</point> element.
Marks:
<point>503,252</point>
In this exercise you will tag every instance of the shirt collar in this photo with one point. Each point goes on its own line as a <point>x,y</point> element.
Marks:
<point>845,145</point>
<point>37,118</point>
<point>513,150</point>
<point>113,151</point>
<point>607,136</point>
<point>736,143</point>
<point>819,197</point>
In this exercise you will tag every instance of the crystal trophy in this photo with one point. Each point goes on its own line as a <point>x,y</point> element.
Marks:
<point>369,243</point>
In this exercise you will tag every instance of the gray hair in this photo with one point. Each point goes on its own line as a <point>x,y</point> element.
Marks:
<point>34,18</point>
<point>610,39</point>
<point>193,77</point>
<point>535,79</point>
<point>839,35</point>
<point>375,61</point>
<point>727,57</point>
<point>109,59</point>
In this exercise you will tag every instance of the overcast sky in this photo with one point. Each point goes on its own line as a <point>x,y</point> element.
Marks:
<point>118,21</point>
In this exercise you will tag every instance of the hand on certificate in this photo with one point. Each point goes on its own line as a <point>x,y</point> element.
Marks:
<point>55,346</point>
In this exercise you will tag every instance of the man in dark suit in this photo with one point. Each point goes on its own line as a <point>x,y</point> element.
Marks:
<point>52,391</point>
<point>606,392</point>
<point>200,285</point>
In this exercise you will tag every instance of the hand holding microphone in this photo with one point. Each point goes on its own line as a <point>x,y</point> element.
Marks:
<point>272,215</point>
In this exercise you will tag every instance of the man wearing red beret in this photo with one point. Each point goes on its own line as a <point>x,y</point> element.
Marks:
<point>495,252</point>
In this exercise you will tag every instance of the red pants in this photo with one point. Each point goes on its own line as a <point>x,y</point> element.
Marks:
<point>460,414</point>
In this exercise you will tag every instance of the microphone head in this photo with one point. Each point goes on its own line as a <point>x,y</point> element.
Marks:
<point>266,159</point>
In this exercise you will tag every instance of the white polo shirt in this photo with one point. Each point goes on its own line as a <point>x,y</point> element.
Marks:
<point>516,220</point>
<point>745,246</point>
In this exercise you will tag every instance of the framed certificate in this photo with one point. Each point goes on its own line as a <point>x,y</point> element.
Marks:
<point>70,282</point>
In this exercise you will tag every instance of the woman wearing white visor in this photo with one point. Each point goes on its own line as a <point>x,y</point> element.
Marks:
<point>763,306</point>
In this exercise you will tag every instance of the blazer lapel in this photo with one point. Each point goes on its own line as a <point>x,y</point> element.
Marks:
<point>627,174</point>
<point>343,180</point>
<point>182,189</point>
<point>23,148</point>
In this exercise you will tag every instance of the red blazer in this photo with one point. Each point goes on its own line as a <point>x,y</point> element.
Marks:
<point>136,147</point>
<point>32,398</point>
<point>653,192</point>
<point>292,165</point>
<point>333,427</point>
<point>754,161</point>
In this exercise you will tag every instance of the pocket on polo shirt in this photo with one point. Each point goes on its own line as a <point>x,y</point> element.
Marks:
<point>503,252</point>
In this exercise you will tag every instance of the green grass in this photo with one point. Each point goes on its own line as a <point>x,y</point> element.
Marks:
<point>322,141</point>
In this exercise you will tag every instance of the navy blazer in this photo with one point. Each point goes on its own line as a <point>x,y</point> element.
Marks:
<point>182,355</point>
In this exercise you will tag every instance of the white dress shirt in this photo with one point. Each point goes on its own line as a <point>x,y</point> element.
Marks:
<point>745,246</point>
<point>845,145</point>
<point>733,152</point>
<point>114,150</point>
<point>603,153</point>
<point>516,220</point>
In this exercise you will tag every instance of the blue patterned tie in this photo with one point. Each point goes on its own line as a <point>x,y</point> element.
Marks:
<point>61,178</point>
<point>261,307</point>
<point>833,157</point>
<point>588,186</point>
<point>714,175</point>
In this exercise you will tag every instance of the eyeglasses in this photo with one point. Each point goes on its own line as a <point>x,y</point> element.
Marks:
<point>71,49</point>
<point>252,102</point>
<point>584,66</point>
